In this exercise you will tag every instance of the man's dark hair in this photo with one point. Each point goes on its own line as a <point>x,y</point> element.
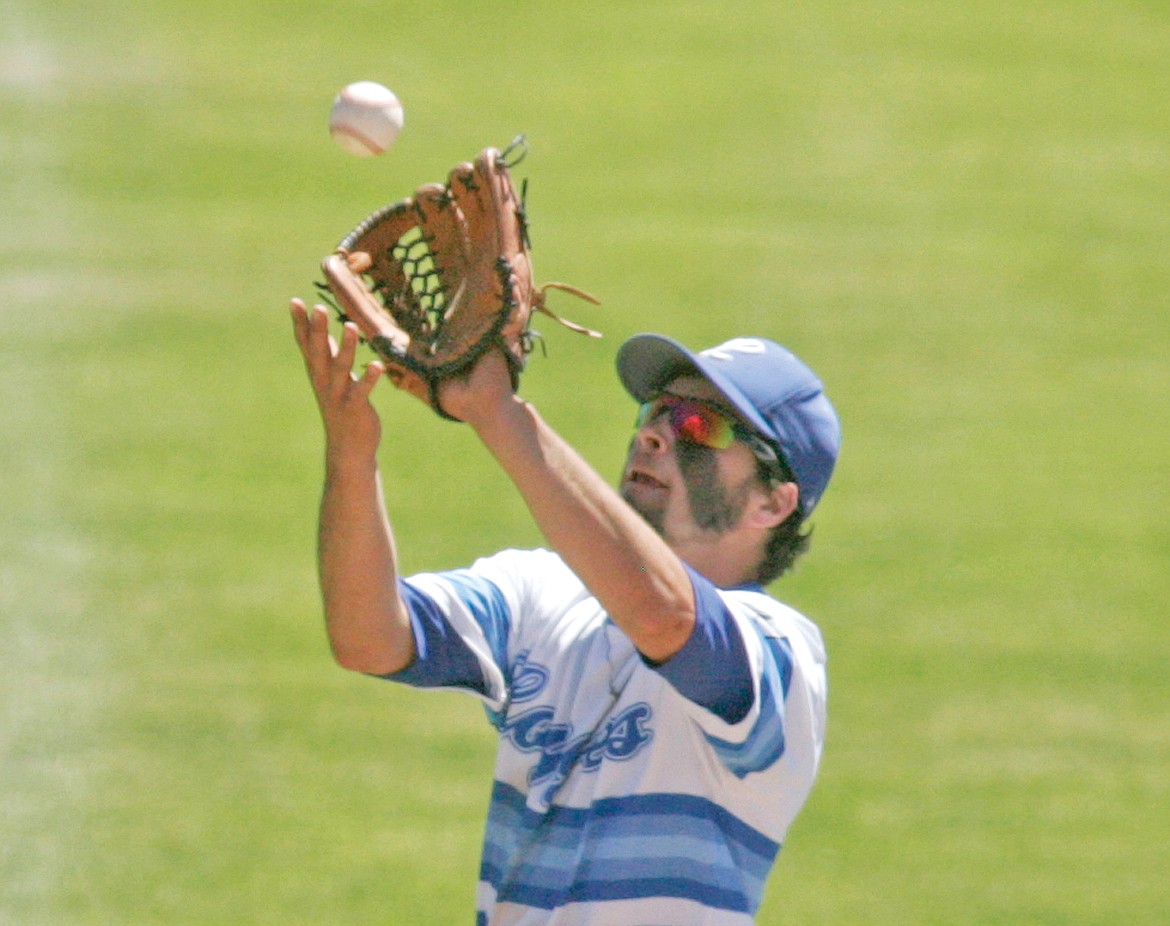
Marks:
<point>786,542</point>
<point>784,545</point>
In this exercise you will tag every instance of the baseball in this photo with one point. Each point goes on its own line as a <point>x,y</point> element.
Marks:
<point>365,119</point>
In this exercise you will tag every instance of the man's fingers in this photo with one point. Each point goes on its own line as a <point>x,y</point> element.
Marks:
<point>348,350</point>
<point>300,322</point>
<point>330,362</point>
<point>365,385</point>
<point>319,320</point>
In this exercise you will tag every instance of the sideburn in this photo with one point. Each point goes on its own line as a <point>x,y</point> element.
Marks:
<point>712,506</point>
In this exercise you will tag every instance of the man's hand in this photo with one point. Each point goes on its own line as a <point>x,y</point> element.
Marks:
<point>351,423</point>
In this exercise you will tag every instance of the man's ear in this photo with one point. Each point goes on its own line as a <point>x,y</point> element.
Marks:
<point>774,504</point>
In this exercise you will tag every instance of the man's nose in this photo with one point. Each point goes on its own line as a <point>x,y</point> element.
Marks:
<point>652,437</point>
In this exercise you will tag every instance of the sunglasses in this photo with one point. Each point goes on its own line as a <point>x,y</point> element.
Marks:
<point>707,425</point>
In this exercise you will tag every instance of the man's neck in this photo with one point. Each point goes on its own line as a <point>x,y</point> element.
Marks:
<point>728,562</point>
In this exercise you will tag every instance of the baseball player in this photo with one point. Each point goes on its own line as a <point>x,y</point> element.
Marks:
<point>660,717</point>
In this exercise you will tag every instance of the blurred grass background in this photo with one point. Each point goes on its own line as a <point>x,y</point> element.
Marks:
<point>958,214</point>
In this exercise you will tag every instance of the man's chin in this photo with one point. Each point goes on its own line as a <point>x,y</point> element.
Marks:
<point>653,516</point>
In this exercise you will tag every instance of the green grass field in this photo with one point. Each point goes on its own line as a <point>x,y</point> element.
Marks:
<point>958,213</point>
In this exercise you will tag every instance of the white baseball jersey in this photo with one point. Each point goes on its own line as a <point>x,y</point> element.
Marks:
<point>625,794</point>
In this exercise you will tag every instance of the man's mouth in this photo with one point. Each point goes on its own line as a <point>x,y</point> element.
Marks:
<point>642,478</point>
<point>647,495</point>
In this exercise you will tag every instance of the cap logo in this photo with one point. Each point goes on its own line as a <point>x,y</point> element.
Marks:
<point>729,349</point>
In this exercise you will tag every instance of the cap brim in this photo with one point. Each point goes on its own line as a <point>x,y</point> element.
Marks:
<point>647,362</point>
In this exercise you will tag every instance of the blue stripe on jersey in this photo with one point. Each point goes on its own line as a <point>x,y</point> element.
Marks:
<point>646,845</point>
<point>444,659</point>
<point>764,745</point>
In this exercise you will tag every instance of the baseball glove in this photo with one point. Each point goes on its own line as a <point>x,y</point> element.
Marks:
<point>437,279</point>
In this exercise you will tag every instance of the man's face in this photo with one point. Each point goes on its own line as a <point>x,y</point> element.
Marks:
<point>686,491</point>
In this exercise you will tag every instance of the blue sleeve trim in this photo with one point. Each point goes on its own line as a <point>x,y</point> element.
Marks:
<point>444,660</point>
<point>712,667</point>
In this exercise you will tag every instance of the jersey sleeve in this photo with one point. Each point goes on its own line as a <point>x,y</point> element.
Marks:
<point>752,677</point>
<point>444,658</point>
<point>712,668</point>
<point>461,620</point>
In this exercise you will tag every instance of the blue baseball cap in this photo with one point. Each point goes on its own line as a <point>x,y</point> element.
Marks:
<point>767,384</point>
